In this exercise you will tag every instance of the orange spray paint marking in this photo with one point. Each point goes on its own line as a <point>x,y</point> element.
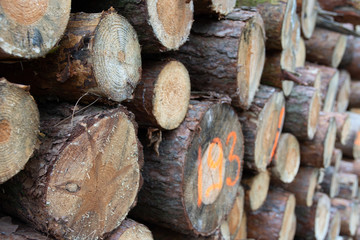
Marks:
<point>199,178</point>
<point>233,157</point>
<point>357,139</point>
<point>281,120</point>
<point>214,165</point>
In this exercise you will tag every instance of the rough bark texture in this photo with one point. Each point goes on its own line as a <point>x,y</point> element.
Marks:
<point>195,174</point>
<point>343,95</point>
<point>256,189</point>
<point>273,219</point>
<point>19,128</point>
<point>348,10</point>
<point>214,7</point>
<point>99,56</point>
<point>309,76</point>
<point>355,95</point>
<point>352,60</point>
<point>222,55</point>
<point>302,112</point>
<point>349,211</point>
<point>308,14</point>
<point>161,99</point>
<point>350,148</point>
<point>161,25</point>
<point>350,167</point>
<point>130,230</point>
<point>29,29</point>
<point>330,183</point>
<point>343,123</point>
<point>348,186</point>
<point>262,125</point>
<point>84,178</point>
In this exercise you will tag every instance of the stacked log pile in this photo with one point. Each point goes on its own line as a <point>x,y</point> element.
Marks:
<point>183,119</point>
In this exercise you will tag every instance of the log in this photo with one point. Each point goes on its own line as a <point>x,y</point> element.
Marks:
<point>99,56</point>
<point>262,125</point>
<point>351,148</point>
<point>349,51</point>
<point>349,211</point>
<point>313,222</point>
<point>355,94</point>
<point>162,97</point>
<point>19,128</point>
<point>242,233</point>
<point>352,167</point>
<point>30,29</point>
<point>221,55</point>
<point>130,230</point>
<point>336,159</point>
<point>309,76</point>
<point>334,225</point>
<point>308,14</point>
<point>303,186</point>
<point>351,63</point>
<point>343,125</point>
<point>325,47</point>
<point>348,186</point>
<point>330,184</point>
<point>300,54</point>
<point>214,7</point>
<point>194,172</point>
<point>302,112</point>
<point>274,219</point>
<point>59,190</point>
<point>318,151</point>
<point>235,216</point>
<point>286,162</point>
<point>256,189</point>
<point>343,95</point>
<point>348,11</point>
<point>160,25</point>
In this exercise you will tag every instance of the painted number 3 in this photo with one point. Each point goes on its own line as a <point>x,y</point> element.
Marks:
<point>218,164</point>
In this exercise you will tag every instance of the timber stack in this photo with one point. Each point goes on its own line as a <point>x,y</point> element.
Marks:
<point>182,119</point>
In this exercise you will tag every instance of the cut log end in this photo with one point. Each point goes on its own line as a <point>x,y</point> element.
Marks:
<point>116,57</point>
<point>171,95</point>
<point>356,147</point>
<point>308,17</point>
<point>334,226</point>
<point>343,96</point>
<point>171,21</point>
<point>131,230</point>
<point>19,129</point>
<point>313,181</point>
<point>329,143</point>
<point>288,60</point>
<point>287,87</point>
<point>322,216</point>
<point>236,214</point>
<point>339,51</point>
<point>345,131</point>
<point>314,110</point>
<point>215,7</point>
<point>331,93</point>
<point>300,55</point>
<point>287,158</point>
<point>288,218</point>
<point>287,25</point>
<point>258,190</point>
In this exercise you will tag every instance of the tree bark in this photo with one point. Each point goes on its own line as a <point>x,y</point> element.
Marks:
<point>256,189</point>
<point>348,186</point>
<point>161,25</point>
<point>308,14</point>
<point>349,211</point>
<point>343,125</point>
<point>318,151</point>
<point>30,29</point>
<point>262,125</point>
<point>19,128</point>
<point>350,167</point>
<point>162,97</point>
<point>355,94</point>
<point>194,173</point>
<point>130,230</point>
<point>330,184</point>
<point>313,222</point>
<point>86,64</point>
<point>351,61</point>
<point>348,10</point>
<point>274,219</point>
<point>343,95</point>
<point>221,55</point>
<point>302,112</point>
<point>218,8</point>
<point>351,146</point>
<point>286,162</point>
<point>85,176</point>
<point>309,76</point>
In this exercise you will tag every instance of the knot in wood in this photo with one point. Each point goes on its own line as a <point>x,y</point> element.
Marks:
<point>72,187</point>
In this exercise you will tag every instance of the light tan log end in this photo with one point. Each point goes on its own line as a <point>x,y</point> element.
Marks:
<point>308,17</point>
<point>258,189</point>
<point>322,217</point>
<point>131,230</point>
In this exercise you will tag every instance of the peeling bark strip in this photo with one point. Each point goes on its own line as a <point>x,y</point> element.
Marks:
<point>29,29</point>
<point>130,230</point>
<point>274,219</point>
<point>85,177</point>
<point>262,125</point>
<point>98,55</point>
<point>226,56</point>
<point>195,176</point>
<point>308,14</point>
<point>256,189</point>
<point>161,25</point>
<point>215,7</point>
<point>19,128</point>
<point>348,10</point>
<point>349,211</point>
<point>161,99</point>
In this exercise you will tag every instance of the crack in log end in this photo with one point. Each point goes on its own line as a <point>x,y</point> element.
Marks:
<point>5,131</point>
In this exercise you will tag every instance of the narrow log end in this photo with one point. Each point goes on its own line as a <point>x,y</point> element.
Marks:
<point>356,147</point>
<point>258,190</point>
<point>322,217</point>
<point>300,55</point>
<point>331,93</point>
<point>221,7</point>
<point>339,51</point>
<point>354,218</point>
<point>131,230</point>
<point>313,181</point>
<point>343,96</point>
<point>288,218</point>
<point>308,17</point>
<point>345,131</point>
<point>334,226</point>
<point>287,87</point>
<point>287,25</point>
<point>236,214</point>
<point>314,111</point>
<point>329,143</point>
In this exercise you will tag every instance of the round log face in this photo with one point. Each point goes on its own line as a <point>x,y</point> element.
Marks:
<point>19,128</point>
<point>29,29</point>
<point>343,96</point>
<point>286,29</point>
<point>339,51</point>
<point>308,17</point>
<point>329,143</point>
<point>322,217</point>
<point>98,192</point>
<point>331,93</point>
<point>171,21</point>
<point>213,168</point>
<point>259,190</point>
<point>334,228</point>
<point>315,106</point>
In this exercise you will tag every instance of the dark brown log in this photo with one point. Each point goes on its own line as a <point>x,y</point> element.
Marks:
<point>194,173</point>
<point>355,94</point>
<point>334,225</point>
<point>262,125</point>
<point>222,55</point>
<point>348,186</point>
<point>343,95</point>
<point>214,7</point>
<point>349,211</point>
<point>160,25</point>
<point>19,128</point>
<point>99,56</point>
<point>303,186</point>
<point>325,47</point>
<point>29,29</point>
<point>313,222</point>
<point>330,183</point>
<point>84,178</point>
<point>351,62</point>
<point>348,11</point>
<point>350,167</point>
<point>343,125</point>
<point>336,159</point>
<point>235,216</point>
<point>274,219</point>
<point>302,112</point>
<point>308,14</point>
<point>318,151</point>
<point>351,146</point>
<point>256,189</point>
<point>349,52</point>
<point>130,230</point>
<point>161,99</point>
<point>286,162</point>
<point>309,76</point>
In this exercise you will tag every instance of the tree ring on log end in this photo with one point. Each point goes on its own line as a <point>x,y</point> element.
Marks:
<point>312,186</point>
<point>19,129</point>
<point>29,29</point>
<point>223,7</point>
<point>345,131</point>
<point>116,76</point>
<point>322,216</point>
<point>171,95</point>
<point>287,26</point>
<point>314,111</point>
<point>218,129</point>
<point>171,21</point>
<point>287,221</point>
<point>331,93</point>
<point>308,17</point>
<point>251,56</point>
<point>329,143</point>
<point>259,190</point>
<point>339,51</point>
<point>107,179</point>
